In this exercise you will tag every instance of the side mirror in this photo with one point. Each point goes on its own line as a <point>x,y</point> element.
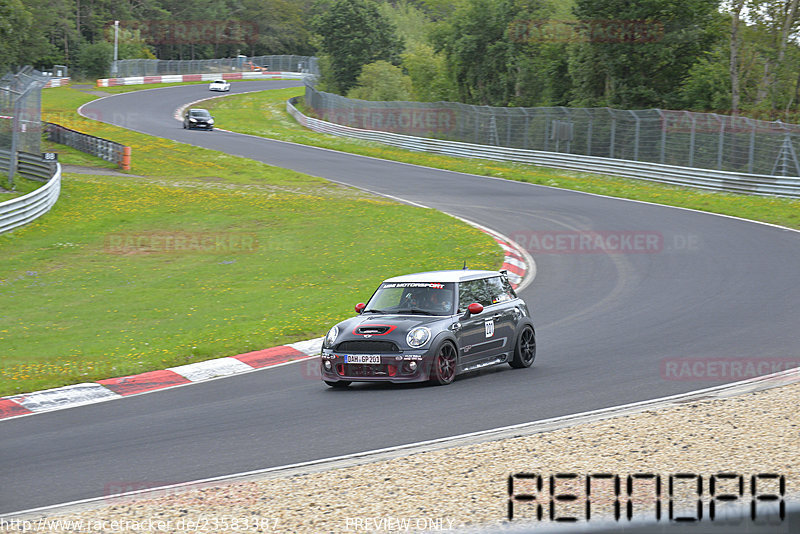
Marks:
<point>360,307</point>
<point>474,308</point>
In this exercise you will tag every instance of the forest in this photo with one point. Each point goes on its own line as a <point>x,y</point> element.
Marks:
<point>732,57</point>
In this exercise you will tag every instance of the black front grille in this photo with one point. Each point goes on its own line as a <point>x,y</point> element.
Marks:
<point>367,347</point>
<point>359,370</point>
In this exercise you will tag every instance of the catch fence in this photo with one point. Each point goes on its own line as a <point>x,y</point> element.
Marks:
<point>675,138</point>
<point>124,68</point>
<point>20,115</point>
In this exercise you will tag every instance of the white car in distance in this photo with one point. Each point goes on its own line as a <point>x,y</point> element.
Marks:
<point>219,85</point>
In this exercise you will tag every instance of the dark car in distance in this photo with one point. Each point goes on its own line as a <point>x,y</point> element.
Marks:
<point>430,326</point>
<point>198,118</point>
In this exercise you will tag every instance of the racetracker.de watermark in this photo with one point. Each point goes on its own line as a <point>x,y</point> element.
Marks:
<point>590,242</point>
<point>586,31</point>
<point>179,32</point>
<point>180,242</point>
<point>410,121</point>
<point>702,369</point>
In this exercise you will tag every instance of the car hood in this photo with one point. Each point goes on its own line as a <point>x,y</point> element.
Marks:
<point>374,326</point>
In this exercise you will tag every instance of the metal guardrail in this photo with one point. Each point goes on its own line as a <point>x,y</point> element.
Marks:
<point>30,166</point>
<point>729,143</point>
<point>124,68</point>
<point>96,146</point>
<point>22,210</point>
<point>685,176</point>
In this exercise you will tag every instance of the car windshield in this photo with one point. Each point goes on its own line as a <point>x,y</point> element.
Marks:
<point>200,113</point>
<point>429,298</point>
<point>219,81</point>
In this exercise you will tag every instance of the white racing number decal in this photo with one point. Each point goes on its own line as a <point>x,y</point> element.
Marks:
<point>489,327</point>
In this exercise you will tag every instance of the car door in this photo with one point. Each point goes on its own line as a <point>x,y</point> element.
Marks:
<point>503,313</point>
<point>477,336</point>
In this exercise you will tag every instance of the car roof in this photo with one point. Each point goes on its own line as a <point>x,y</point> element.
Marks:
<point>459,275</point>
<point>198,110</point>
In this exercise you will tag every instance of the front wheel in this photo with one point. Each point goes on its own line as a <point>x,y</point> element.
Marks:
<point>525,351</point>
<point>444,365</point>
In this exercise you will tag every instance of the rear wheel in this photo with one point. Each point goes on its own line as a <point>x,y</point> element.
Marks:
<point>444,365</point>
<point>339,384</point>
<point>525,351</point>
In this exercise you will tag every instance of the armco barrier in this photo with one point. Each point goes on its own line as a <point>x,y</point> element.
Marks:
<point>24,209</point>
<point>685,176</point>
<point>30,166</point>
<point>96,146</point>
<point>57,82</point>
<point>180,78</point>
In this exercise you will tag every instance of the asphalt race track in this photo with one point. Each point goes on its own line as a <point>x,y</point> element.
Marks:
<point>715,288</point>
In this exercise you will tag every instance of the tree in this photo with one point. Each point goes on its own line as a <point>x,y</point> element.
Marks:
<point>283,26</point>
<point>381,81</point>
<point>353,33</point>
<point>636,51</point>
<point>16,22</point>
<point>94,60</point>
<point>708,84</point>
<point>412,24</point>
<point>494,58</point>
<point>777,21</point>
<point>474,42</point>
<point>733,68</point>
<point>430,81</point>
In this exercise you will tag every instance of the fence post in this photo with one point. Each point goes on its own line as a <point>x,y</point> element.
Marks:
<point>663,134</point>
<point>721,140</point>
<point>546,129</point>
<point>635,137</point>
<point>508,127</point>
<point>527,124</point>
<point>613,134</point>
<point>12,162</point>
<point>589,132</point>
<point>691,137</point>
<point>751,151</point>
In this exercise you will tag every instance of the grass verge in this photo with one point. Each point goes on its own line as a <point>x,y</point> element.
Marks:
<point>196,256</point>
<point>263,114</point>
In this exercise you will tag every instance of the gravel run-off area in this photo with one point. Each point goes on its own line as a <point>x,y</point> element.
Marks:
<point>468,486</point>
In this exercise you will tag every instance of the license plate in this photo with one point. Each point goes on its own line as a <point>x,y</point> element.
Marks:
<point>362,358</point>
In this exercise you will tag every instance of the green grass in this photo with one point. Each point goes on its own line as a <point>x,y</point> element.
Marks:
<point>98,292</point>
<point>194,255</point>
<point>21,186</point>
<point>263,114</point>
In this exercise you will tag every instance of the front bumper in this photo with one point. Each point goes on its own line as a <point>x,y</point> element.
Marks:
<point>394,367</point>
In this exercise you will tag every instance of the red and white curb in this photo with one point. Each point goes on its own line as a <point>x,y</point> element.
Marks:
<point>114,388</point>
<point>517,262</point>
<point>179,78</point>
<point>57,82</point>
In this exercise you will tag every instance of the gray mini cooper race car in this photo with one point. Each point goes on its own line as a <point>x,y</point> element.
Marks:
<point>430,326</point>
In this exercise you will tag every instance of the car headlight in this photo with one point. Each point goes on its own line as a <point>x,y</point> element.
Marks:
<point>192,120</point>
<point>210,121</point>
<point>330,338</point>
<point>418,336</point>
